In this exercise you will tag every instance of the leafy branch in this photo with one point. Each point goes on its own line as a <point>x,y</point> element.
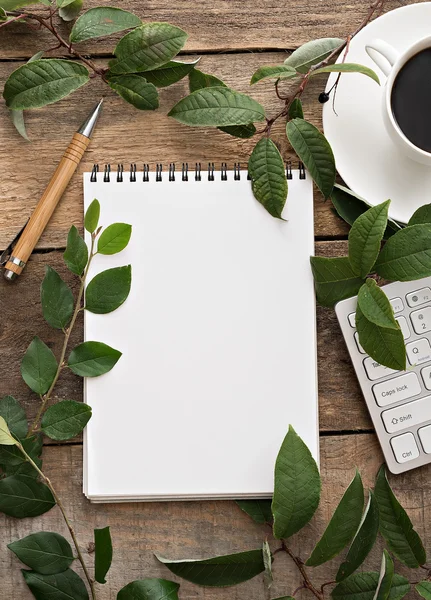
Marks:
<point>65,517</point>
<point>67,418</point>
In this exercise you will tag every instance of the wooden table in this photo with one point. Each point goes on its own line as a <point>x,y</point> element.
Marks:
<point>234,38</point>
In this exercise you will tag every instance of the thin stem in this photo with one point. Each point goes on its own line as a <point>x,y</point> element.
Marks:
<point>48,24</point>
<point>298,589</point>
<point>376,6</point>
<point>67,333</point>
<point>17,18</point>
<point>63,512</point>
<point>306,580</point>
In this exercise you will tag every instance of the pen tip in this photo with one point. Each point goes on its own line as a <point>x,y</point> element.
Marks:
<point>88,126</point>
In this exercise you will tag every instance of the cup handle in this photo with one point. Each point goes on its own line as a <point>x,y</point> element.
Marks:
<point>383,54</point>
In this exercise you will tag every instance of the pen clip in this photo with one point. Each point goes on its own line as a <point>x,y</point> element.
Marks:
<point>6,254</point>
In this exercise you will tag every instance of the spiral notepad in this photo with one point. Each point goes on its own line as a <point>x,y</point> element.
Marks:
<point>217,336</point>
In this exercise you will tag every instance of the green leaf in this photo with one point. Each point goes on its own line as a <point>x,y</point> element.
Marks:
<point>91,218</point>
<point>92,359</point>
<point>296,486</point>
<point>258,510</point>
<point>395,525</point>
<point>421,216</point>
<point>217,107</point>
<point>108,290</point>
<point>114,238</point>
<point>347,68</point>
<point>149,589</point>
<point>22,496</point>
<point>295,109</point>
<point>65,420</point>
<point>350,206</point>
<point>218,571</point>
<point>13,461</point>
<point>6,438</point>
<point>334,279</point>
<point>103,553</point>
<point>383,344</point>
<point>45,552</point>
<point>67,585</point>
<point>57,300</point>
<point>406,255</point>
<point>13,457</point>
<point>38,366</point>
<point>3,15</point>
<point>199,80</point>
<point>424,589</point>
<point>365,237</point>
<point>43,82</point>
<point>385,578</point>
<point>71,11</point>
<point>311,53</point>
<point>147,47</point>
<point>375,305</point>
<point>76,253</point>
<point>169,73</point>
<point>342,526</point>
<point>36,56</point>
<point>277,72</point>
<point>101,21</point>
<point>363,586</point>
<point>362,542</point>
<point>315,152</point>
<point>14,415</point>
<point>267,561</point>
<point>135,90</point>
<point>268,179</point>
<point>17,117</point>
<point>240,131</point>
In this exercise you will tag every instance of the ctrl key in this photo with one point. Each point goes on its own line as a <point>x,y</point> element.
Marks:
<point>404,447</point>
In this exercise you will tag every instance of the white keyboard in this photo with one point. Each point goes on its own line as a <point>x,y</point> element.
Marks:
<point>399,402</point>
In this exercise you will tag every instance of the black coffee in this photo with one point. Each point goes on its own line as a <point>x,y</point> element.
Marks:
<point>411,99</point>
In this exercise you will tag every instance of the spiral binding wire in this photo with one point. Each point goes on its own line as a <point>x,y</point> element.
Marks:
<point>184,172</point>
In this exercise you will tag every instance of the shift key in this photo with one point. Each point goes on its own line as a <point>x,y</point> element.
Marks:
<point>407,415</point>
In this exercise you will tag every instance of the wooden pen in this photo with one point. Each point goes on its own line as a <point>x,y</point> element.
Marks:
<point>47,204</point>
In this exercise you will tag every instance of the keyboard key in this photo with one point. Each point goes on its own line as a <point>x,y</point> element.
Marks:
<point>404,327</point>
<point>419,352</point>
<point>407,415</point>
<point>361,350</point>
<point>425,438</point>
<point>404,447</point>
<point>426,376</point>
<point>375,370</point>
<point>421,320</point>
<point>397,389</point>
<point>421,296</point>
<point>397,305</point>
<point>352,319</point>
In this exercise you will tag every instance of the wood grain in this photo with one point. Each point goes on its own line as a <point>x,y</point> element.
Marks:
<point>125,134</point>
<point>341,404</point>
<point>203,529</point>
<point>218,26</point>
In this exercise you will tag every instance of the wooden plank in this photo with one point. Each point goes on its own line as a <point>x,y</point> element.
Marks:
<point>203,529</point>
<point>127,135</point>
<point>224,25</point>
<point>341,404</point>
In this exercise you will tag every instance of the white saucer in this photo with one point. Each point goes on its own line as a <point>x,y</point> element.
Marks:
<point>366,158</point>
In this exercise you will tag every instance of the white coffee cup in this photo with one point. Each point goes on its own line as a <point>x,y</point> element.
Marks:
<point>390,61</point>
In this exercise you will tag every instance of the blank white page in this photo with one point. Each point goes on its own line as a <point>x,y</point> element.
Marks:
<point>217,335</point>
